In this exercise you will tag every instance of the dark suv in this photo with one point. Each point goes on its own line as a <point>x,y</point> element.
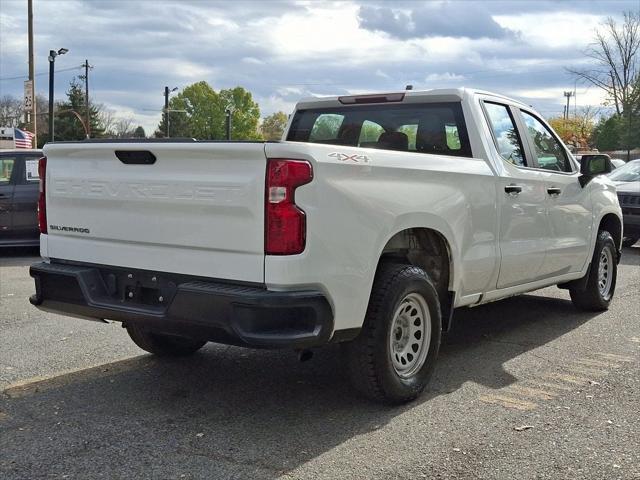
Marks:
<point>19,197</point>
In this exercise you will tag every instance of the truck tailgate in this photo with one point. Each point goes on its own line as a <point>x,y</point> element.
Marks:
<point>197,210</point>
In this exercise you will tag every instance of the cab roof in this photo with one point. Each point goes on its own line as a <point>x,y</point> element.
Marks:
<point>407,96</point>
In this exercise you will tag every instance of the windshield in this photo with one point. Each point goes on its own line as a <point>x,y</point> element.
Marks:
<point>627,173</point>
<point>436,128</point>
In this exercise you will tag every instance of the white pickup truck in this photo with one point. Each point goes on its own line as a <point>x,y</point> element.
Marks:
<point>374,218</point>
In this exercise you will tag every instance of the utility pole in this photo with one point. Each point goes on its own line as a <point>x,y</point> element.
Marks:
<point>34,122</point>
<point>86,97</point>
<point>568,95</point>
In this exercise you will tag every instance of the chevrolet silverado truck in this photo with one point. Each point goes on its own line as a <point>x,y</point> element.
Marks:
<point>367,225</point>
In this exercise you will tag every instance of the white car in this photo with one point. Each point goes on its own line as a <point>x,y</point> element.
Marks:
<point>374,218</point>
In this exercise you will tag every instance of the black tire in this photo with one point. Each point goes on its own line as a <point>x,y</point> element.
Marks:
<point>163,345</point>
<point>368,357</point>
<point>630,241</point>
<point>591,298</point>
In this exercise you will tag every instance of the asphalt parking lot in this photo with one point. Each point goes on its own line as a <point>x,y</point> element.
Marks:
<point>526,388</point>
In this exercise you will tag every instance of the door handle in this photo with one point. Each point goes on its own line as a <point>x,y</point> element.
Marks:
<point>513,190</point>
<point>554,191</point>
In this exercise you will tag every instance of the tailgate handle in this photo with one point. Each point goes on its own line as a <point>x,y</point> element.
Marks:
<point>136,157</point>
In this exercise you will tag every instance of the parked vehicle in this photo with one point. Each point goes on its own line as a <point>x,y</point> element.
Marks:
<point>627,181</point>
<point>375,218</point>
<point>19,197</point>
<point>617,162</point>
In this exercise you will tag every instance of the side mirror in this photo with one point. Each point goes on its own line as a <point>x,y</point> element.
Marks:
<point>592,166</point>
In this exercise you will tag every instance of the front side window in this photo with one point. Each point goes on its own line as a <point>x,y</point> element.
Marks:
<point>549,151</point>
<point>505,133</point>
<point>436,128</point>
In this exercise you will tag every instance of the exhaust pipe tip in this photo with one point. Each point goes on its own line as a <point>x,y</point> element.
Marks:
<point>304,355</point>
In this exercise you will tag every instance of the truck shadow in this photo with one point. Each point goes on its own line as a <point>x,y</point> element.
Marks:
<point>234,413</point>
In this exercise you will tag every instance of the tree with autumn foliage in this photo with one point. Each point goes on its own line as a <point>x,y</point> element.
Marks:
<point>576,130</point>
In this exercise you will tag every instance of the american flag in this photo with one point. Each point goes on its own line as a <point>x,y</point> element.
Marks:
<point>22,138</point>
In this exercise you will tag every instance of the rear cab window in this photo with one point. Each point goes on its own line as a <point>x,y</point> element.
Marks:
<point>436,128</point>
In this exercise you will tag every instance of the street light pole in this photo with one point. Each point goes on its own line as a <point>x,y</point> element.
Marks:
<point>52,60</point>
<point>228,123</point>
<point>167,91</point>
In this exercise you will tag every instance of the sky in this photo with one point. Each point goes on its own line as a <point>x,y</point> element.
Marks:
<point>283,51</point>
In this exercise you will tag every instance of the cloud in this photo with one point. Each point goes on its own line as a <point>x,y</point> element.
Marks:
<point>281,51</point>
<point>445,19</point>
<point>444,77</point>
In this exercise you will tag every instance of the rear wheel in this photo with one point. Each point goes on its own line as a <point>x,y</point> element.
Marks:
<point>162,344</point>
<point>394,356</point>
<point>601,283</point>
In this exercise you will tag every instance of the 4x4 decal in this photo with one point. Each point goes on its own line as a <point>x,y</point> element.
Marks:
<point>343,157</point>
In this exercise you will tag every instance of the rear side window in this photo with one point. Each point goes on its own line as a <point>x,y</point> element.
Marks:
<point>549,151</point>
<point>326,127</point>
<point>6,169</point>
<point>505,133</point>
<point>436,128</point>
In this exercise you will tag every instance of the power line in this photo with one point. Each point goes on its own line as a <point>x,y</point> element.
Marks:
<point>26,77</point>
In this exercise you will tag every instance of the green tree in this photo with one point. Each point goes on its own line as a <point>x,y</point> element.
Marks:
<point>273,126</point>
<point>139,132</point>
<point>607,133</point>
<point>199,112</point>
<point>245,113</point>
<point>67,124</point>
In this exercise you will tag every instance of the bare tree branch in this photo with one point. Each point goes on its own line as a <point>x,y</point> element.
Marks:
<point>615,51</point>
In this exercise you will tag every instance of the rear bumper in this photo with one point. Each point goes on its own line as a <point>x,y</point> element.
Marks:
<point>247,315</point>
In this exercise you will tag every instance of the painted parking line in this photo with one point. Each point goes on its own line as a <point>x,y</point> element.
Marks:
<point>615,357</point>
<point>536,393</point>
<point>596,363</point>
<point>507,401</point>
<point>589,371</point>
<point>568,378</point>
<point>549,385</point>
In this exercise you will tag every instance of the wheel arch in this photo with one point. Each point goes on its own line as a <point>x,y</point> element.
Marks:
<point>612,223</point>
<point>430,249</point>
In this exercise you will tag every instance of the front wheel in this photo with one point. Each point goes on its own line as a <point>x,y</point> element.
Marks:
<point>161,344</point>
<point>394,356</point>
<point>601,283</point>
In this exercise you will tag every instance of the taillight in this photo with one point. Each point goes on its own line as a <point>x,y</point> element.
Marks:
<point>42,205</point>
<point>285,224</point>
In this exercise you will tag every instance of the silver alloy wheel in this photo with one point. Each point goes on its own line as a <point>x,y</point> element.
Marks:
<point>410,335</point>
<point>605,273</point>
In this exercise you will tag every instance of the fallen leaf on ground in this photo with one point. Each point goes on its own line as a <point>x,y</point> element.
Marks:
<point>522,428</point>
